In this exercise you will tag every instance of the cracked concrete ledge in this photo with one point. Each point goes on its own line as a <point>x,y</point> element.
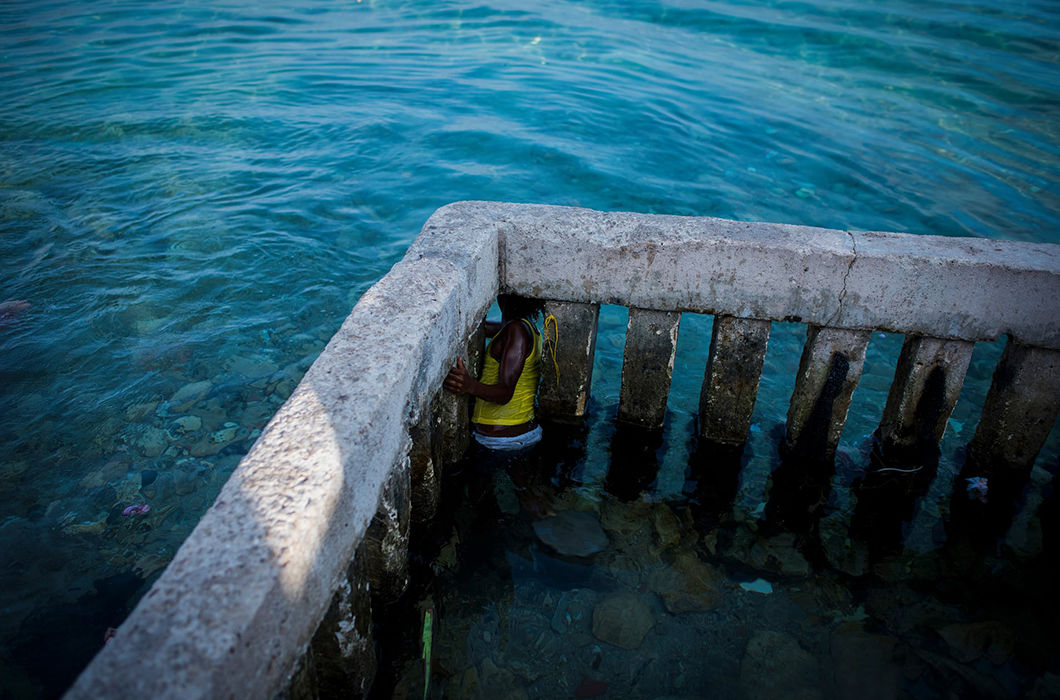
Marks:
<point>954,288</point>
<point>235,609</point>
<point>846,278</point>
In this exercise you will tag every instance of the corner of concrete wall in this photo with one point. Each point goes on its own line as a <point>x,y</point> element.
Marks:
<point>244,594</point>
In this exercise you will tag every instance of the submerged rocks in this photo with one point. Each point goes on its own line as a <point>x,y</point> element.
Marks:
<point>252,367</point>
<point>571,614</point>
<point>500,683</point>
<point>858,655</point>
<point>140,411</point>
<point>625,518</point>
<point>219,439</point>
<point>969,641</point>
<point>226,433</point>
<point>183,425</point>
<point>774,666</point>
<point>184,483</point>
<point>149,441</point>
<point>779,554</point>
<point>188,395</point>
<point>622,620</point>
<point>689,584</point>
<point>572,533</point>
<point>87,527</point>
<point>11,473</point>
<point>667,527</point>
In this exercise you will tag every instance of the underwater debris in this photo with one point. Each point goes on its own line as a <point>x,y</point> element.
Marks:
<point>978,487</point>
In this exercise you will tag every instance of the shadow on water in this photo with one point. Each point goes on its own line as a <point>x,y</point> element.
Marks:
<point>723,596</point>
<point>562,451</point>
<point>801,485</point>
<point>55,643</point>
<point>713,480</point>
<point>980,517</point>
<point>898,476</point>
<point>635,460</point>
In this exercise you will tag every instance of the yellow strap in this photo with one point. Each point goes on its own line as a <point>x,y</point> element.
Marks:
<point>551,343</point>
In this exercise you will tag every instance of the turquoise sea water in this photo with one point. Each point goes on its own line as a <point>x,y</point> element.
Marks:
<point>193,196</point>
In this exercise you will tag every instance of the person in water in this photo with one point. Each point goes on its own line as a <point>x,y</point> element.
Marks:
<point>503,417</point>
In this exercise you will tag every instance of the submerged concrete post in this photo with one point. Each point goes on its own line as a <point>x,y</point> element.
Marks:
<point>566,395</point>
<point>927,383</point>
<point>648,366</point>
<point>387,539</point>
<point>1020,408</point>
<point>425,469</point>
<point>730,383</point>
<point>829,370</point>
<point>453,413</point>
<point>342,652</point>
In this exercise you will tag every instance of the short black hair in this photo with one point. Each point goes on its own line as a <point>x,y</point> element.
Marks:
<point>519,306</point>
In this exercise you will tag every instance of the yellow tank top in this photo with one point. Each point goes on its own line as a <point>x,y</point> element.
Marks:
<point>520,409</point>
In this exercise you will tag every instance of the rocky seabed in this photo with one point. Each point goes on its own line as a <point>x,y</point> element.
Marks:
<point>634,600</point>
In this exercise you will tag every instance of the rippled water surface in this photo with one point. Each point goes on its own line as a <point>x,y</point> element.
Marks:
<point>193,196</point>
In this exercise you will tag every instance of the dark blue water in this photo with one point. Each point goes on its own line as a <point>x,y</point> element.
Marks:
<point>193,196</point>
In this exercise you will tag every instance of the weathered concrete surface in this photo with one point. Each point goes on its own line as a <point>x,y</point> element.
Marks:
<point>829,370</point>
<point>343,649</point>
<point>730,382</point>
<point>927,383</point>
<point>1020,409</point>
<point>648,366</point>
<point>425,467</point>
<point>243,595</point>
<point>387,541</point>
<point>960,288</point>
<point>567,396</point>
<point>767,271</point>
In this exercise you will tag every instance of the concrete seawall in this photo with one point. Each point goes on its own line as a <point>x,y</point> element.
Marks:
<point>237,609</point>
<point>242,598</point>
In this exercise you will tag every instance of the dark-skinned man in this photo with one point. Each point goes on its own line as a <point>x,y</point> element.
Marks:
<point>503,417</point>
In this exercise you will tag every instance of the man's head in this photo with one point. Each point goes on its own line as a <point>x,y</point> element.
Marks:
<point>514,306</point>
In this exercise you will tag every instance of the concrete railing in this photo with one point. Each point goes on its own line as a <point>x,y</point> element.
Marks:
<point>270,593</point>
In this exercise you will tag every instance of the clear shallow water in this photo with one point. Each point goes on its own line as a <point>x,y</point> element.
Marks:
<point>199,193</point>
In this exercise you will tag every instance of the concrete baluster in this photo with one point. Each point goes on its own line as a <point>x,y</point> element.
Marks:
<point>341,659</point>
<point>647,366</point>
<point>425,466</point>
<point>1020,409</point>
<point>387,539</point>
<point>730,383</point>
<point>831,364</point>
<point>566,396</point>
<point>927,383</point>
